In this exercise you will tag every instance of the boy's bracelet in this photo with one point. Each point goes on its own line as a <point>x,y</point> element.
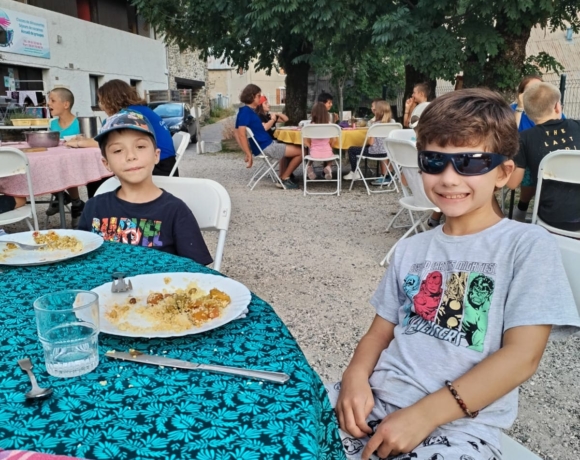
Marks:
<point>460,401</point>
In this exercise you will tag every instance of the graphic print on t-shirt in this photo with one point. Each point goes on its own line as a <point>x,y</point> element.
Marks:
<point>138,232</point>
<point>449,301</point>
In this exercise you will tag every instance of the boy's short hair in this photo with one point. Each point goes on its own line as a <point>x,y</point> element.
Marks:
<point>467,118</point>
<point>126,120</point>
<point>65,95</point>
<point>325,97</point>
<point>249,93</point>
<point>425,89</point>
<point>540,100</point>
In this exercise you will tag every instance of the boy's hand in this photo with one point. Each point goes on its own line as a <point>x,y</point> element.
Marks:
<point>399,432</point>
<point>249,159</point>
<point>355,403</point>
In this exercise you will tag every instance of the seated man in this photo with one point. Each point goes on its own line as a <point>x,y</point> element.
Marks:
<point>421,94</point>
<point>559,202</point>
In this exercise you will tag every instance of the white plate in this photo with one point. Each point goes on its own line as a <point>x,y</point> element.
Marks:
<point>90,241</point>
<point>144,284</point>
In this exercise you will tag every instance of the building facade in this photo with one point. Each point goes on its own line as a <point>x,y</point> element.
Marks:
<point>77,44</point>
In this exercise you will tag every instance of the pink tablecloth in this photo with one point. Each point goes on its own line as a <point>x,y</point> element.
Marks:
<point>56,169</point>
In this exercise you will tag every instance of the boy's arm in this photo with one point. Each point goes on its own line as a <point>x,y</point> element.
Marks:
<point>244,144</point>
<point>491,379</point>
<point>188,239</point>
<point>356,401</point>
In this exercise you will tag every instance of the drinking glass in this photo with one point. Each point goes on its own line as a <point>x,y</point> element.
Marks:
<point>68,328</point>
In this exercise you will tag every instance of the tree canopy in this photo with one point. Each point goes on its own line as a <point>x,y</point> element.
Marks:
<point>484,39</point>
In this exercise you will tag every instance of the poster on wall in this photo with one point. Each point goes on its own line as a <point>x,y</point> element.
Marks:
<point>22,33</point>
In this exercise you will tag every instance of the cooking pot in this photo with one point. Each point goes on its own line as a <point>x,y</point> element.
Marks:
<point>42,138</point>
<point>89,126</point>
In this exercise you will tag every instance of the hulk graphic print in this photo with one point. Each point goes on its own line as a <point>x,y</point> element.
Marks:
<point>449,301</point>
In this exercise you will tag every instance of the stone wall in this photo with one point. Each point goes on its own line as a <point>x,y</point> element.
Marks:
<point>189,65</point>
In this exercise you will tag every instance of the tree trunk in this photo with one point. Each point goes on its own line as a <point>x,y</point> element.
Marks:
<point>472,72</point>
<point>503,71</point>
<point>296,86</point>
<point>340,88</point>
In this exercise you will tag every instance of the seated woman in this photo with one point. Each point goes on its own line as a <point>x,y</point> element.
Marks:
<point>269,119</point>
<point>289,156</point>
<point>116,95</point>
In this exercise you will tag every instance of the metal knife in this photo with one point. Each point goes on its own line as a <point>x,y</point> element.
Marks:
<point>138,357</point>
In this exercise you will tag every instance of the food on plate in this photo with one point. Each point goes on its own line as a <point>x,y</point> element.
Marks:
<point>55,242</point>
<point>164,310</point>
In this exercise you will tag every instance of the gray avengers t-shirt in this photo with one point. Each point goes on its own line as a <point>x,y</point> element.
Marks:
<point>451,299</point>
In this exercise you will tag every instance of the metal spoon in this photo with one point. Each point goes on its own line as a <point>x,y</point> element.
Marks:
<point>36,392</point>
<point>26,247</point>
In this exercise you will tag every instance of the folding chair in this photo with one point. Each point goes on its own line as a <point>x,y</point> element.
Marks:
<point>570,250</point>
<point>376,130</point>
<point>180,144</point>
<point>561,166</point>
<point>403,135</point>
<point>208,200</point>
<point>268,166</point>
<point>323,131</point>
<point>513,450</point>
<point>404,154</point>
<point>13,163</point>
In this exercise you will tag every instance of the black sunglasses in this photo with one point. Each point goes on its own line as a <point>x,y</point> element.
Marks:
<point>465,163</point>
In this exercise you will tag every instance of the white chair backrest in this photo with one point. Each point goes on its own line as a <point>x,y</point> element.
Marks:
<point>404,154</point>
<point>561,165</point>
<point>208,200</point>
<point>382,130</point>
<point>180,144</point>
<point>570,250</point>
<point>13,162</point>
<point>304,123</point>
<point>403,134</point>
<point>513,450</point>
<point>322,131</point>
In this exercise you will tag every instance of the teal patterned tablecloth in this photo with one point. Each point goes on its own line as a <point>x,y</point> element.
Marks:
<point>126,410</point>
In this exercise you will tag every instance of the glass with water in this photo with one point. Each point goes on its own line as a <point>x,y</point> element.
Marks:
<point>68,328</point>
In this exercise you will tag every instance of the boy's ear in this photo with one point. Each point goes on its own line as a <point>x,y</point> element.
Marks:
<point>157,155</point>
<point>106,164</point>
<point>505,171</point>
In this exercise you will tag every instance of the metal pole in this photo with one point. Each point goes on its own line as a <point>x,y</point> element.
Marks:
<point>562,87</point>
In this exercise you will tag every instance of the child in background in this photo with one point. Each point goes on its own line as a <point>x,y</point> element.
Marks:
<point>319,148</point>
<point>462,317</point>
<point>139,212</point>
<point>269,119</point>
<point>60,103</point>
<point>375,146</point>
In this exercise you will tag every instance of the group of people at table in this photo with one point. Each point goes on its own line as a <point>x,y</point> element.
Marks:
<point>458,325</point>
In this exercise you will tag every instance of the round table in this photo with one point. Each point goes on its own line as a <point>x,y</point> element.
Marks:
<point>350,137</point>
<point>55,170</point>
<point>126,410</point>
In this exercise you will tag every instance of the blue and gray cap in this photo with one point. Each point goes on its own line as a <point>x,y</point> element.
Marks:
<point>126,119</point>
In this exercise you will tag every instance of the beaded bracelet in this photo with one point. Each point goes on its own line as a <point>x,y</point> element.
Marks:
<point>460,401</point>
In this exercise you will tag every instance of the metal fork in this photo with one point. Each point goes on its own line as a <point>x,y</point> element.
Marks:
<point>119,284</point>
<point>26,247</point>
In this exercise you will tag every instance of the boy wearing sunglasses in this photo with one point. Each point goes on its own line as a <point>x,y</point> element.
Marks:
<point>462,317</point>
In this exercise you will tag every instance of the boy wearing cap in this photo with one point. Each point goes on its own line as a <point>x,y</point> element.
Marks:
<point>139,212</point>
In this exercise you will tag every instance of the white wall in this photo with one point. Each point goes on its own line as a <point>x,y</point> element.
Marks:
<point>93,50</point>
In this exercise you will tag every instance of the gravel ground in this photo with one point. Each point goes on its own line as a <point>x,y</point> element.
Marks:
<point>316,261</point>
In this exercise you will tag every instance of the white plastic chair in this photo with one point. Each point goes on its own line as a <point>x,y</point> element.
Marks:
<point>404,154</point>
<point>376,130</point>
<point>513,450</point>
<point>13,163</point>
<point>562,166</point>
<point>268,164</point>
<point>322,131</point>
<point>180,144</point>
<point>570,250</point>
<point>403,135</point>
<point>208,200</point>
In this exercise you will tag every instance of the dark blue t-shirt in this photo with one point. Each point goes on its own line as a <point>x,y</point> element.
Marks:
<point>165,223</point>
<point>162,134</point>
<point>247,117</point>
